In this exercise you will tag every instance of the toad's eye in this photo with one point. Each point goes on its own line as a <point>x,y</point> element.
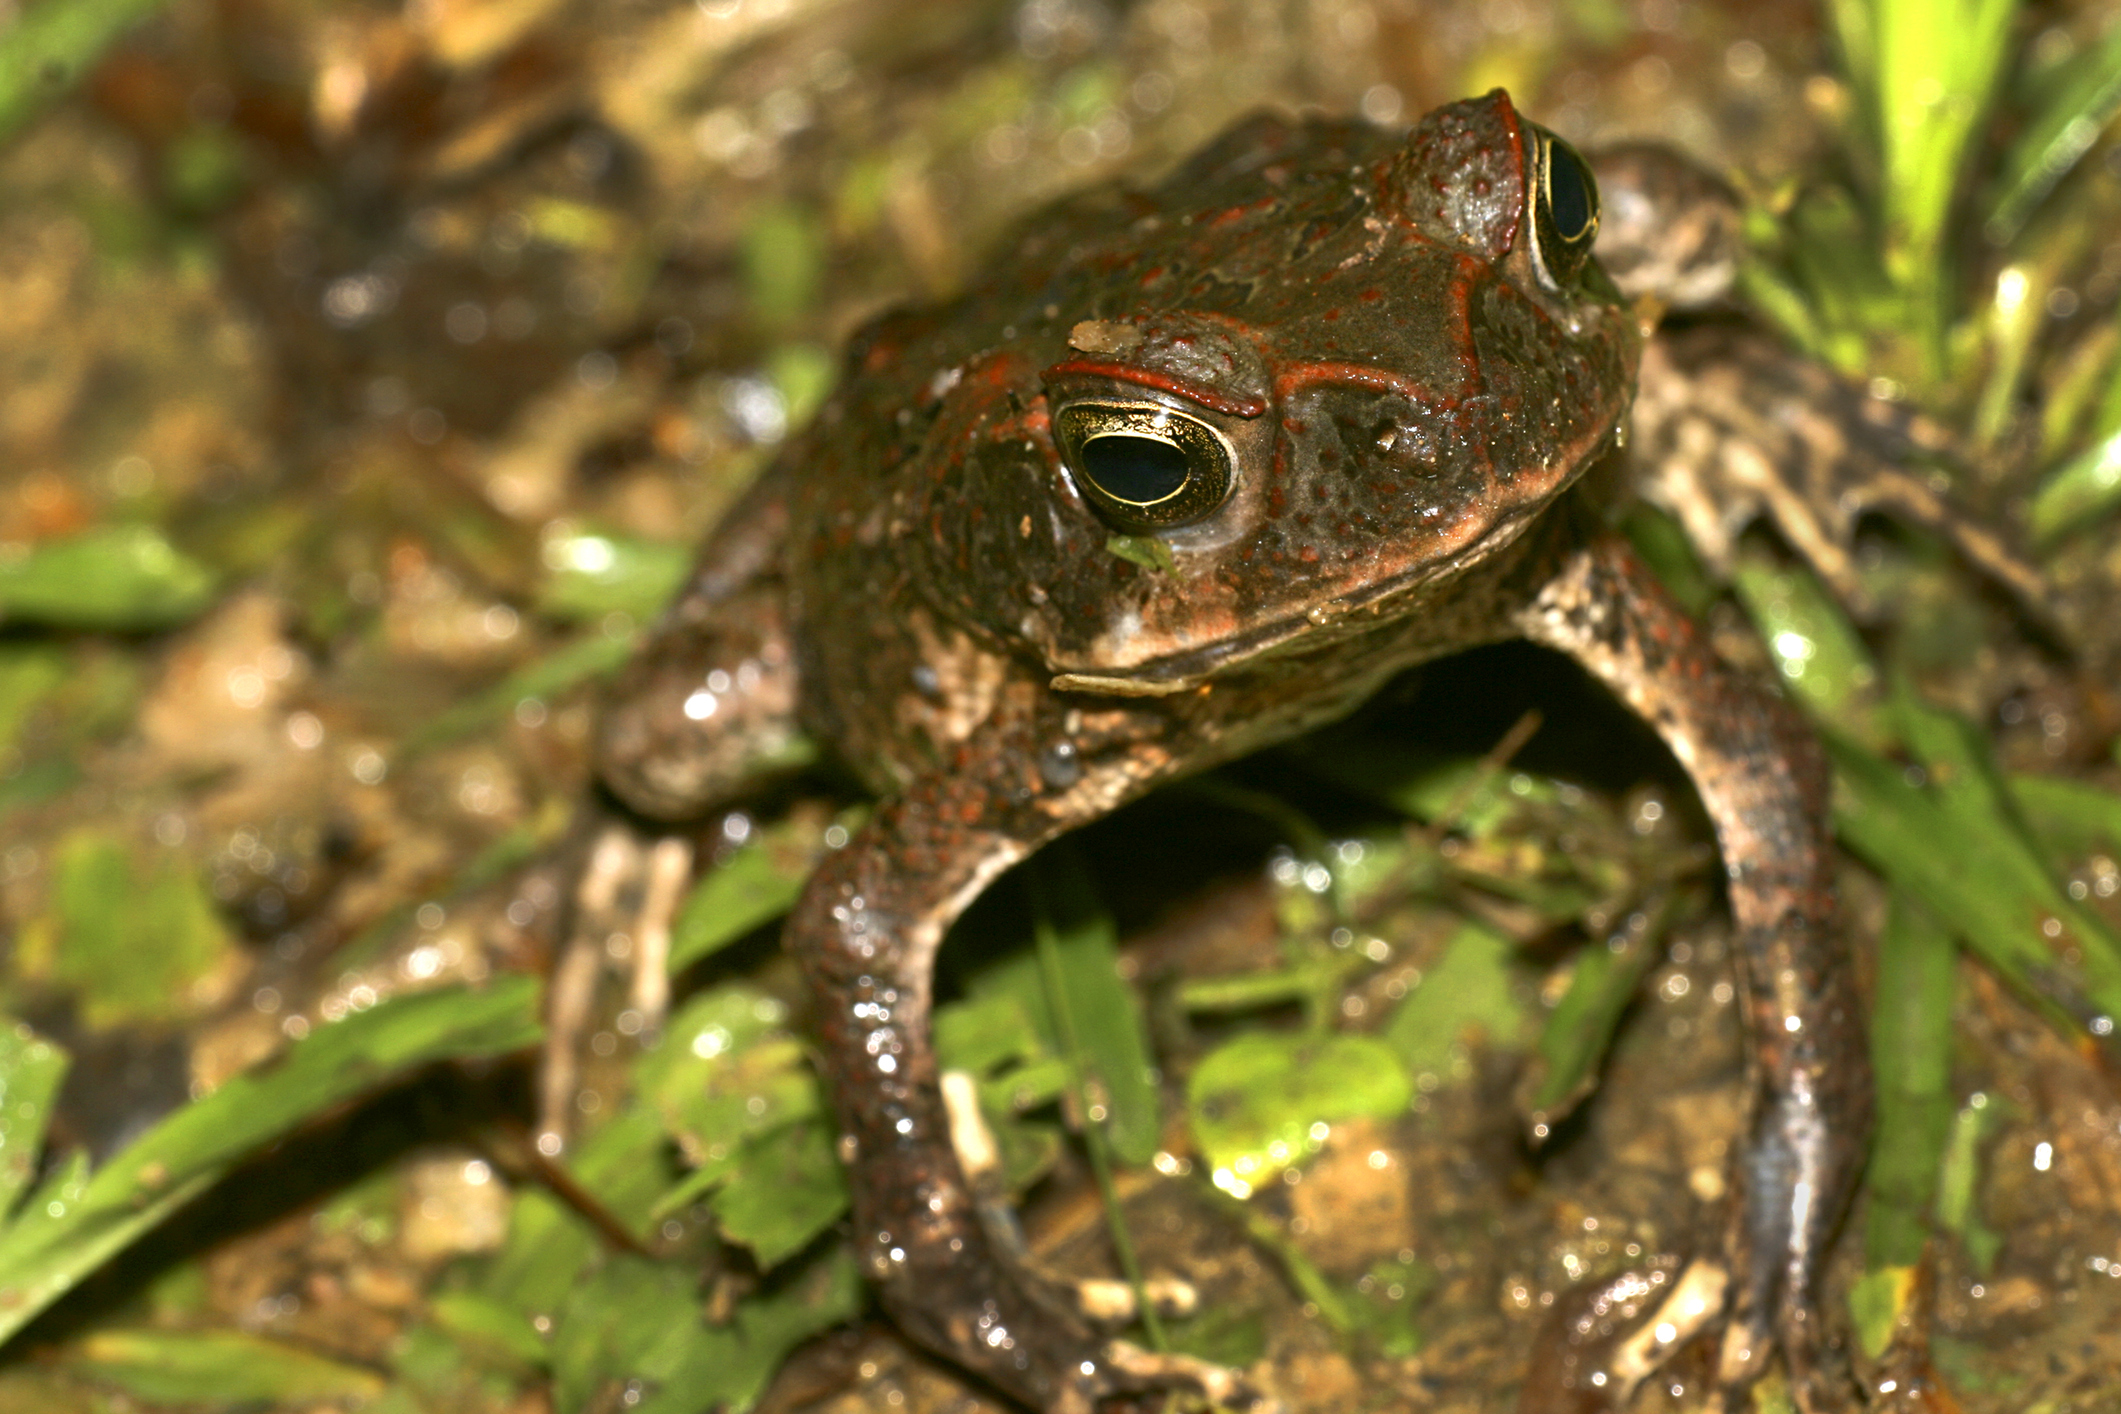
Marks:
<point>1564,208</point>
<point>1144,467</point>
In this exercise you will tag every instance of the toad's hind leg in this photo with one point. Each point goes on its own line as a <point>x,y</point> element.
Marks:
<point>1764,781</point>
<point>866,931</point>
<point>707,708</point>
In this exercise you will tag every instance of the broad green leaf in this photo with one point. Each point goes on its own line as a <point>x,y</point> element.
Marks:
<point>491,1327</point>
<point>124,577</point>
<point>983,1034</point>
<point>128,936</point>
<point>727,1071</point>
<point>614,1316</point>
<point>1936,68</point>
<point>1911,1052</point>
<point>1468,991</point>
<point>75,1223</point>
<point>699,1368</point>
<point>1876,1301</point>
<point>30,1071</point>
<point>783,253</point>
<point>1265,1100</point>
<point>1662,542</point>
<point>755,885</point>
<point>784,1190</point>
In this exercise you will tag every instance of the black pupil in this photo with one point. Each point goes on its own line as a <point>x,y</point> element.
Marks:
<point>1138,470</point>
<point>1568,193</point>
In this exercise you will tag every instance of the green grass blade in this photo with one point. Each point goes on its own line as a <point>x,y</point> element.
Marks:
<point>1109,1022</point>
<point>1911,1052</point>
<point>1608,973</point>
<point>1956,842</point>
<point>44,51</point>
<point>2085,486</point>
<point>217,1368</point>
<point>30,1071</point>
<point>2081,102</point>
<point>1936,68</point>
<point>52,1246</point>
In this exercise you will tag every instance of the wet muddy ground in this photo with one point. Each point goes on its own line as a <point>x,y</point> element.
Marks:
<point>366,373</point>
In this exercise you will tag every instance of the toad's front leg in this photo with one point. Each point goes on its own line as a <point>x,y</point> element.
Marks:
<point>866,932</point>
<point>1764,781</point>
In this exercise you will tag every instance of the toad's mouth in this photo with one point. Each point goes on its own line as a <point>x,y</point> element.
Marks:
<point>1346,615</point>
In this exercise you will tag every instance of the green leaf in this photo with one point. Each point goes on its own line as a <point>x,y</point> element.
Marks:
<point>1911,1052</point>
<point>488,1327</point>
<point>129,936</point>
<point>1957,843</point>
<point>728,1071</point>
<point>1876,1302</point>
<point>2085,486</point>
<point>593,655</point>
<point>1109,1024</point>
<point>1959,1184</point>
<point>1564,1065</point>
<point>216,1367</point>
<point>74,1223</point>
<point>590,575</point>
<point>2070,817</point>
<point>610,1322</point>
<point>785,1190</point>
<point>755,885</point>
<point>1467,991</point>
<point>700,1368</point>
<point>1148,551</point>
<point>115,577</point>
<point>1662,542</point>
<point>783,258</point>
<point>44,51</point>
<point>983,1034</point>
<point>30,1071</point>
<point>1264,1101</point>
<point>1814,646</point>
<point>2079,103</point>
<point>29,673</point>
<point>1937,64</point>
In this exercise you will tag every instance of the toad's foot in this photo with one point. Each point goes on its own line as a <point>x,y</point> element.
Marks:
<point>1102,1302</point>
<point>1604,1339</point>
<point>1730,429</point>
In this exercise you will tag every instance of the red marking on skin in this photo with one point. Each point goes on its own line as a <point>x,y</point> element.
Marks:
<point>1297,376</point>
<point>1370,296</point>
<point>1238,213</point>
<point>1163,382</point>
